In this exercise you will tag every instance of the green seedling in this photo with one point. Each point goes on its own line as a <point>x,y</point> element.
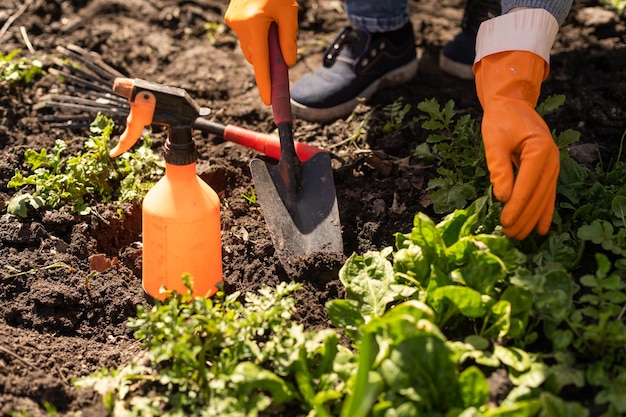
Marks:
<point>81,180</point>
<point>359,130</point>
<point>214,30</point>
<point>397,115</point>
<point>455,146</point>
<point>226,355</point>
<point>19,70</point>
<point>251,197</point>
<point>14,272</point>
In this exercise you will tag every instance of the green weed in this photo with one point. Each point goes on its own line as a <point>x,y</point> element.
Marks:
<point>81,180</point>
<point>19,70</point>
<point>250,198</point>
<point>396,113</point>
<point>455,146</point>
<point>214,30</point>
<point>223,356</point>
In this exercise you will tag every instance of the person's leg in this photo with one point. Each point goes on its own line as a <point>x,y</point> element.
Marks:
<point>457,57</point>
<point>377,16</point>
<point>377,51</point>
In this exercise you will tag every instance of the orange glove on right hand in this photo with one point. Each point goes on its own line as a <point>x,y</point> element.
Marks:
<point>251,19</point>
<point>508,83</point>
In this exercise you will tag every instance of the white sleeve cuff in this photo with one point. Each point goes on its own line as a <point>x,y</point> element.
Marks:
<point>532,30</point>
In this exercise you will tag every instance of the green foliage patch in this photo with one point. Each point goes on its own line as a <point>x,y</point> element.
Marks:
<point>16,69</point>
<point>81,180</point>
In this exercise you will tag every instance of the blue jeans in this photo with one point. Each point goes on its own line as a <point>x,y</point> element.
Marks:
<point>388,15</point>
<point>377,15</point>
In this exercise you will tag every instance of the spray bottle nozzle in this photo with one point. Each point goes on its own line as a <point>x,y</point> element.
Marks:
<point>152,103</point>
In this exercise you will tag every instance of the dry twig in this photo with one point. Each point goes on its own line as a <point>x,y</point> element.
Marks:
<point>14,17</point>
<point>27,40</point>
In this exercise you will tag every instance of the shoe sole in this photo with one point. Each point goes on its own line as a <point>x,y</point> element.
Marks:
<point>398,76</point>
<point>455,68</point>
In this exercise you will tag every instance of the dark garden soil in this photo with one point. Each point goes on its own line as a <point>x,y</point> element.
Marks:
<point>55,326</point>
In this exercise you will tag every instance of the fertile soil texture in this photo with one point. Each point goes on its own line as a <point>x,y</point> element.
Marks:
<point>56,325</point>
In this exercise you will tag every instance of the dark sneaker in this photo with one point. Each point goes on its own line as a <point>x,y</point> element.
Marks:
<point>356,65</point>
<point>457,57</point>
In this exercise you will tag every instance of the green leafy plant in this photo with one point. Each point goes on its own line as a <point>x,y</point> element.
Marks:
<point>455,146</point>
<point>596,335</point>
<point>223,356</point>
<point>398,313</point>
<point>19,70</point>
<point>79,180</point>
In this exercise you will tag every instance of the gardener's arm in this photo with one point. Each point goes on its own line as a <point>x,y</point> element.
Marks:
<point>251,20</point>
<point>512,60</point>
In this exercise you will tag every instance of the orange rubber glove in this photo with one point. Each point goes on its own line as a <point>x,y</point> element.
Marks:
<point>508,83</point>
<point>251,19</point>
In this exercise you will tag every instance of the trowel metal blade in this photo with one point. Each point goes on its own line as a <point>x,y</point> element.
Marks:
<point>304,222</point>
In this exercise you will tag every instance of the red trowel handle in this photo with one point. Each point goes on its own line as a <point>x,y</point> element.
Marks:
<point>261,142</point>
<point>266,144</point>
<point>281,100</point>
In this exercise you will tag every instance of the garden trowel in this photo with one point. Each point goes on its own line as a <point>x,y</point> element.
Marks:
<point>297,198</point>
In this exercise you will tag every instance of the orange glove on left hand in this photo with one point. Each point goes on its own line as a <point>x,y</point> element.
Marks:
<point>508,88</point>
<point>251,19</point>
<point>508,84</point>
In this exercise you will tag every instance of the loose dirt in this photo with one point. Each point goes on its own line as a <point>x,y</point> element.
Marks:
<point>56,325</point>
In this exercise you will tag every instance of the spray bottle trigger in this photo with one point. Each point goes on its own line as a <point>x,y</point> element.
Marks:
<point>141,114</point>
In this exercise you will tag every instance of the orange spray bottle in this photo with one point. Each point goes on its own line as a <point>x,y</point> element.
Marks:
<point>181,213</point>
